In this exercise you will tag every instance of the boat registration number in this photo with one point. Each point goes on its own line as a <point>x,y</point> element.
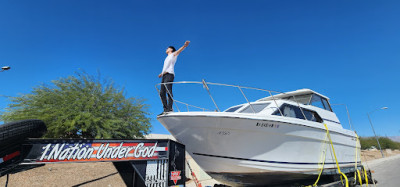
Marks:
<point>269,125</point>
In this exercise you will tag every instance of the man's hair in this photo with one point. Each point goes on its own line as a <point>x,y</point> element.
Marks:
<point>173,48</point>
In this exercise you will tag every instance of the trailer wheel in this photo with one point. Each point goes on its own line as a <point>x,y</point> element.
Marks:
<point>18,131</point>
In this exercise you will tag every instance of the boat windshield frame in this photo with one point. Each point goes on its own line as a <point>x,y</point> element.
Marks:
<point>311,99</point>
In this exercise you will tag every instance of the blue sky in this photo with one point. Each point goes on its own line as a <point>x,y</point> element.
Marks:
<point>347,50</point>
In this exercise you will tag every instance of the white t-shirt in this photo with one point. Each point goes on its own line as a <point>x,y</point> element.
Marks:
<point>169,63</point>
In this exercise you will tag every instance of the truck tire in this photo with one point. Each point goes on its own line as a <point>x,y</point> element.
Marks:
<point>18,131</point>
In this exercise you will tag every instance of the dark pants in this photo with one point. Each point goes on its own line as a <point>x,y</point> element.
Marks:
<point>163,92</point>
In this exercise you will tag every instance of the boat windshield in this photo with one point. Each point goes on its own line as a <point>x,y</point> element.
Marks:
<point>303,99</point>
<point>311,99</point>
<point>320,102</point>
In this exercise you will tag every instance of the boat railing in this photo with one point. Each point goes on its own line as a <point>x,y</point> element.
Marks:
<point>206,86</point>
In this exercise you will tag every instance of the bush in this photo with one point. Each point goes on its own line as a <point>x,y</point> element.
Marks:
<point>386,143</point>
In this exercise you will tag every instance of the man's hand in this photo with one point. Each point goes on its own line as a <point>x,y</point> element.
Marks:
<point>176,53</point>
<point>160,75</point>
<point>186,43</point>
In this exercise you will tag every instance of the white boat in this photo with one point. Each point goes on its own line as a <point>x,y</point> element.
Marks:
<point>276,140</point>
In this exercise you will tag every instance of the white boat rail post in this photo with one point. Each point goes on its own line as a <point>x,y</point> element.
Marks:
<point>300,107</point>
<point>273,98</point>
<point>246,99</point>
<point>170,95</point>
<point>208,90</point>
<point>348,116</point>
<point>309,101</point>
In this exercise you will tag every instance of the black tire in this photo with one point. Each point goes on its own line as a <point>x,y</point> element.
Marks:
<point>18,131</point>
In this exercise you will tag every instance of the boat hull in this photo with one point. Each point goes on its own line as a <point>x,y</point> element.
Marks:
<point>237,150</point>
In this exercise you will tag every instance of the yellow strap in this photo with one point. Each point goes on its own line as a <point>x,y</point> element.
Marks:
<point>337,164</point>
<point>365,176</point>
<point>355,165</point>
<point>323,161</point>
<point>345,178</point>
<point>333,150</point>
<point>359,177</point>
<point>357,172</point>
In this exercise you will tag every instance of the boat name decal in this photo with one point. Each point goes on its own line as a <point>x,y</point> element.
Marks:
<point>269,125</point>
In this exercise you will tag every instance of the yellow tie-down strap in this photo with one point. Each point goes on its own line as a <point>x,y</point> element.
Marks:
<point>337,163</point>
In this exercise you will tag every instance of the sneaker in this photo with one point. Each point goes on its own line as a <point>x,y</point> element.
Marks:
<point>162,113</point>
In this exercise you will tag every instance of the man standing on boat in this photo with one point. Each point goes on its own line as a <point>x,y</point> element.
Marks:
<point>168,75</point>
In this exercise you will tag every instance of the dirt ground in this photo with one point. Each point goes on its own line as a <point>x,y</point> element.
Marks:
<point>375,154</point>
<point>73,174</point>
<point>100,173</point>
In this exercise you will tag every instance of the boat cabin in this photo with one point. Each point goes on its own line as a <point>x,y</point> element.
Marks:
<point>303,104</point>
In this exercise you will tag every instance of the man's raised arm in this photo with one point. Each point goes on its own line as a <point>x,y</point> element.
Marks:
<point>182,48</point>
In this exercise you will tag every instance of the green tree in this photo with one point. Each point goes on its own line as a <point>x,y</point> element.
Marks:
<point>82,106</point>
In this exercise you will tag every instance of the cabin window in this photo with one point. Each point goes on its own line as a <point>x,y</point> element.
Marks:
<point>295,112</point>
<point>326,105</point>
<point>233,109</point>
<point>257,108</point>
<point>320,102</point>
<point>317,101</point>
<point>290,111</point>
<point>312,116</point>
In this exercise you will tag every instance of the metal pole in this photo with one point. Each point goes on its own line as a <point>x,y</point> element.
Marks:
<point>247,100</point>
<point>383,156</point>
<point>276,104</point>
<point>208,90</point>
<point>348,116</point>
<point>300,108</point>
